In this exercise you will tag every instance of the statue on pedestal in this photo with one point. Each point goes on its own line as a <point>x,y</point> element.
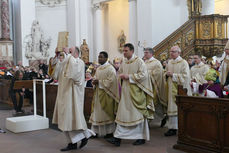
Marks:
<point>84,52</point>
<point>36,46</point>
<point>121,41</point>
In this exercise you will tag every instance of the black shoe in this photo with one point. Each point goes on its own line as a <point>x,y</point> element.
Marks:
<point>139,142</point>
<point>83,142</point>
<point>1,131</point>
<point>94,136</point>
<point>70,147</point>
<point>114,141</point>
<point>108,136</point>
<point>171,132</point>
<point>163,121</point>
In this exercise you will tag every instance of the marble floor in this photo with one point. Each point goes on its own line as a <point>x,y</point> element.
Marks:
<point>51,141</point>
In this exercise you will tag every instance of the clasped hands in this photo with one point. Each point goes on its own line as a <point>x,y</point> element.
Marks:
<point>124,76</point>
<point>169,74</point>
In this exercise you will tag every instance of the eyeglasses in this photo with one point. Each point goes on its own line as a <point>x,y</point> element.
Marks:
<point>173,51</point>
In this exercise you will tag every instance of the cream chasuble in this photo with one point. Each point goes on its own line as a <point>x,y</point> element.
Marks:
<point>181,76</point>
<point>68,112</point>
<point>136,102</point>
<point>224,68</point>
<point>198,73</point>
<point>156,71</point>
<point>105,100</point>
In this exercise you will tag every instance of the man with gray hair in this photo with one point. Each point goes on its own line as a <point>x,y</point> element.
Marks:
<point>177,73</point>
<point>68,112</point>
<point>156,71</point>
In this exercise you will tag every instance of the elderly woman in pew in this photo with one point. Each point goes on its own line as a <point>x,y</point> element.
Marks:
<point>12,92</point>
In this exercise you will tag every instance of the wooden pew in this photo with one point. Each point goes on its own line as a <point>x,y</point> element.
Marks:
<point>203,124</point>
<point>4,91</point>
<point>27,84</point>
<point>51,93</point>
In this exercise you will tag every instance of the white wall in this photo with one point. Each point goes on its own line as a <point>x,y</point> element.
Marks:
<point>52,20</point>
<point>222,8</point>
<point>117,19</point>
<point>167,16</point>
<point>208,7</point>
<point>80,23</point>
<point>145,25</point>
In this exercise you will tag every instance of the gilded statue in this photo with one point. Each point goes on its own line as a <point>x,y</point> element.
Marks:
<point>121,41</point>
<point>85,52</point>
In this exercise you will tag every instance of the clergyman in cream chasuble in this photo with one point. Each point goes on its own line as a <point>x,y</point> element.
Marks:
<point>181,76</point>
<point>156,71</point>
<point>224,67</point>
<point>68,112</point>
<point>136,104</point>
<point>198,72</point>
<point>105,100</point>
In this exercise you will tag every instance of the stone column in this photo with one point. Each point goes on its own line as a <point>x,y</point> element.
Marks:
<point>5,20</point>
<point>99,32</point>
<point>133,24</point>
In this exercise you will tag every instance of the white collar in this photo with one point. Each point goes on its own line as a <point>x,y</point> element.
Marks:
<point>151,59</point>
<point>105,64</point>
<point>133,56</point>
<point>201,63</point>
<point>177,59</point>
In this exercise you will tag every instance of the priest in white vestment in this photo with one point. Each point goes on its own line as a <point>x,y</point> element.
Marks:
<point>68,112</point>
<point>136,104</point>
<point>224,68</point>
<point>177,73</point>
<point>105,99</point>
<point>198,72</point>
<point>156,71</point>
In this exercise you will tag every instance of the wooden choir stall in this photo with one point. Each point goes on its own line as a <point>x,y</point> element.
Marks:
<point>203,124</point>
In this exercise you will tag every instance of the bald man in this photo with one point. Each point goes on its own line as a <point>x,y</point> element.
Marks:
<point>177,73</point>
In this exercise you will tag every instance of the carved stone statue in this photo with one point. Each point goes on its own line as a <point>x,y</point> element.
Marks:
<point>36,36</point>
<point>121,41</point>
<point>85,52</point>
<point>36,46</point>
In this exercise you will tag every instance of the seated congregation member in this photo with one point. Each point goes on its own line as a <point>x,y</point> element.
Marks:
<point>26,74</point>
<point>211,88</point>
<point>136,104</point>
<point>42,66</point>
<point>105,99</point>
<point>12,92</point>
<point>40,74</point>
<point>88,79</point>
<point>177,73</point>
